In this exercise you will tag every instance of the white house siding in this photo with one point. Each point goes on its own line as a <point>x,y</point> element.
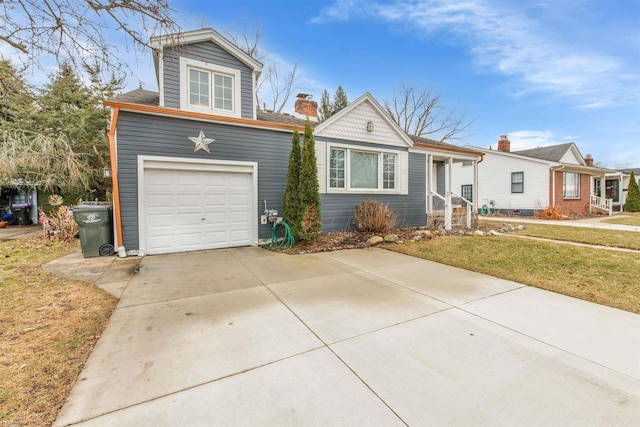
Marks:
<point>494,182</point>
<point>353,127</point>
<point>571,158</point>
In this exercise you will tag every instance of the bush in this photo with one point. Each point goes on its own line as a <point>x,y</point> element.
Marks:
<point>373,216</point>
<point>633,195</point>
<point>552,212</point>
<point>59,225</point>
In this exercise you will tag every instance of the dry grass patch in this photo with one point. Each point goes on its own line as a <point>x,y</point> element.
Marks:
<point>604,277</point>
<point>629,218</point>
<point>591,236</point>
<point>48,328</point>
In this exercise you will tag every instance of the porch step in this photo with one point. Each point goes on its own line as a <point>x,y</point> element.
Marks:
<point>435,219</point>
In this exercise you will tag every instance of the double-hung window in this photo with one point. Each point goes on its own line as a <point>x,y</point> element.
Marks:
<point>210,88</point>
<point>353,169</point>
<point>517,182</point>
<point>571,185</point>
<point>467,192</point>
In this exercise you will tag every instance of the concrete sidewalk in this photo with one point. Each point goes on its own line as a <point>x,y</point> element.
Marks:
<point>596,222</point>
<point>362,337</point>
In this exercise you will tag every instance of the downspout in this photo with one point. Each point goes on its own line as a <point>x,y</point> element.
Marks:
<point>553,184</point>
<point>114,175</point>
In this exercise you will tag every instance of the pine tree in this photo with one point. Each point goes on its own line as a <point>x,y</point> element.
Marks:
<point>16,100</point>
<point>633,195</point>
<point>326,106</point>
<point>339,100</point>
<point>291,203</point>
<point>309,190</point>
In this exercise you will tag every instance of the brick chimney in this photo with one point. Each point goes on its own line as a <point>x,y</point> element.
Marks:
<point>306,106</point>
<point>588,160</point>
<point>504,144</point>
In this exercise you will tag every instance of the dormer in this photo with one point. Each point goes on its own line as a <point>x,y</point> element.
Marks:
<point>201,71</point>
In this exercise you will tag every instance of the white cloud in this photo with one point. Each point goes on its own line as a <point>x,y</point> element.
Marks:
<point>514,43</point>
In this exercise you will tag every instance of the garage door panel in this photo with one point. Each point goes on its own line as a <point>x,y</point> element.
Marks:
<point>215,199</point>
<point>188,204</point>
<point>192,210</point>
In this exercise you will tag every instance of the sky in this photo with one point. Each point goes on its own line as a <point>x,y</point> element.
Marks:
<point>543,72</point>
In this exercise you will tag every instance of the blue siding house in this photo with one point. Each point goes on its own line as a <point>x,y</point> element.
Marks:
<point>196,164</point>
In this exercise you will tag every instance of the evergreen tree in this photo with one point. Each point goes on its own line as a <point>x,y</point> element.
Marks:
<point>291,203</point>
<point>633,195</point>
<point>17,105</point>
<point>339,100</point>
<point>309,190</point>
<point>70,108</point>
<point>326,106</point>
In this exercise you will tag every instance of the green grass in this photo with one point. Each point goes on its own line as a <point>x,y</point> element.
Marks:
<point>604,277</point>
<point>591,236</point>
<point>629,218</point>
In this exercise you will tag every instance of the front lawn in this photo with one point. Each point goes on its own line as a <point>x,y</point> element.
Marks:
<point>601,276</point>
<point>591,236</point>
<point>626,218</point>
<point>48,328</point>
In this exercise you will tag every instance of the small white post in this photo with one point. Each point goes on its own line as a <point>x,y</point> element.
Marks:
<point>448,211</point>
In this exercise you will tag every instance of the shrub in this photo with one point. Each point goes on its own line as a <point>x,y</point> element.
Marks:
<point>308,187</point>
<point>292,208</point>
<point>633,195</point>
<point>373,216</point>
<point>552,212</point>
<point>59,225</point>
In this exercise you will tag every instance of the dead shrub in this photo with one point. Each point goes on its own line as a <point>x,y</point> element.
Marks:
<point>59,225</point>
<point>552,212</point>
<point>373,216</point>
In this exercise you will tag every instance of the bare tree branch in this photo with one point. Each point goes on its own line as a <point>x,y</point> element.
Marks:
<point>419,112</point>
<point>81,31</point>
<point>281,85</point>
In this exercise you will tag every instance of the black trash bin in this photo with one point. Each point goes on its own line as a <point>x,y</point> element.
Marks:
<point>22,215</point>
<point>95,223</point>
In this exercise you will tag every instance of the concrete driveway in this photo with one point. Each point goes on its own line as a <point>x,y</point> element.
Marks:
<point>363,337</point>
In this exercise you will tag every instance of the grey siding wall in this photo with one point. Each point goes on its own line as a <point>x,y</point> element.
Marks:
<point>208,52</point>
<point>140,134</point>
<point>338,209</point>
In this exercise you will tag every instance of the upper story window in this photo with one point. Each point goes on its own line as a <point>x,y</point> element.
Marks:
<point>571,185</point>
<point>209,88</point>
<point>517,182</point>
<point>357,170</point>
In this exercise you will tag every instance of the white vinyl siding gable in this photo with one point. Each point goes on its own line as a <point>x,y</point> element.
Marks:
<point>571,158</point>
<point>353,127</point>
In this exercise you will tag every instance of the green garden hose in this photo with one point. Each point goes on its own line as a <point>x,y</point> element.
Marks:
<point>286,242</point>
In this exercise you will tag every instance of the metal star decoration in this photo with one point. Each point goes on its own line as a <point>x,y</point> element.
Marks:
<point>201,142</point>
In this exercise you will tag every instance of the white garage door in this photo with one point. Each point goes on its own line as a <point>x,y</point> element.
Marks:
<point>187,210</point>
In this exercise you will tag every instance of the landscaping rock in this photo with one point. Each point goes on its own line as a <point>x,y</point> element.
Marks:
<point>479,233</point>
<point>426,234</point>
<point>494,233</point>
<point>391,238</point>
<point>374,240</point>
<point>521,227</point>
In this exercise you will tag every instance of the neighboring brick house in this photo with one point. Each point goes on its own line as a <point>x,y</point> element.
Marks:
<point>526,181</point>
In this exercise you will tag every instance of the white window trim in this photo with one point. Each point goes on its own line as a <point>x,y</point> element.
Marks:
<point>399,184</point>
<point>564,186</point>
<point>186,64</point>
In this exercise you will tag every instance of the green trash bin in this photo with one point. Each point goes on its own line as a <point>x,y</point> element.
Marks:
<point>22,214</point>
<point>95,223</point>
